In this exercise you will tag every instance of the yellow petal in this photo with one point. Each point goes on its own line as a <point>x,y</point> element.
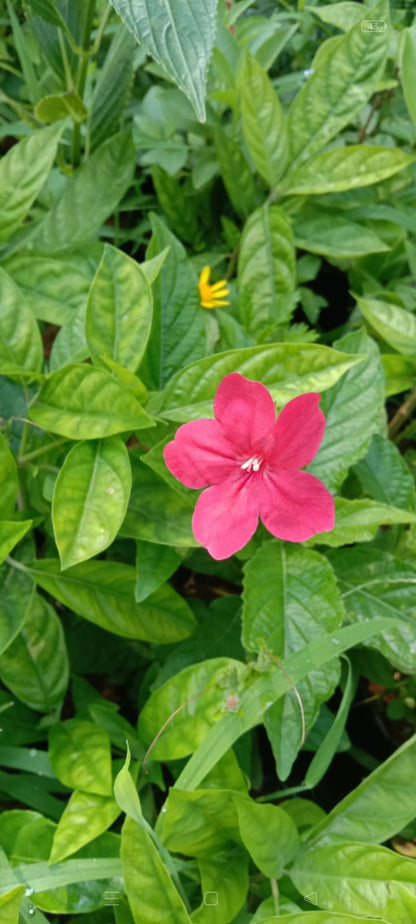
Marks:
<point>205,274</point>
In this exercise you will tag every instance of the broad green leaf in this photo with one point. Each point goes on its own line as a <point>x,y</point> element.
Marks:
<point>35,665</point>
<point>10,904</point>
<point>395,325</point>
<point>83,402</point>
<point>112,87</point>
<point>384,475</point>
<point>89,196</point>
<point>23,172</point>
<point>287,370</point>
<point>289,598</point>
<point>399,372</point>
<point>345,168</point>
<point>408,72</point>
<point>201,690</point>
<point>103,593</point>
<point>332,235</point>
<point>20,341</point>
<point>59,106</point>
<point>354,410</point>
<point>266,270</point>
<point>180,37</point>
<point>338,89</point>
<point>154,565</point>
<point>119,310</point>
<point>8,478</point>
<point>55,287</point>
<point>80,756</point>
<point>178,332</point>
<point>16,597</point>
<point>86,816</point>
<point>373,583</point>
<point>90,498</point>
<point>263,122</point>
<point>224,874</point>
<point>343,14</point>
<point>356,878</point>
<point>236,173</point>
<point>152,896</point>
<point>268,834</point>
<point>358,521</point>
<point>401,907</point>
<point>156,512</point>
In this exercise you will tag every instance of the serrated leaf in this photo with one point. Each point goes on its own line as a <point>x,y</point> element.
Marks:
<point>80,756</point>
<point>35,665</point>
<point>266,270</point>
<point>179,35</point>
<point>373,583</point>
<point>263,122</point>
<point>59,106</point>
<point>119,310</point>
<point>345,168</point>
<point>354,410</point>
<point>289,598</point>
<point>286,369</point>
<point>338,89</point>
<point>83,402</point>
<point>20,341</point>
<point>23,172</point>
<point>332,235</point>
<point>89,196</point>
<point>358,521</point>
<point>85,817</point>
<point>103,592</point>
<point>395,325</point>
<point>90,498</point>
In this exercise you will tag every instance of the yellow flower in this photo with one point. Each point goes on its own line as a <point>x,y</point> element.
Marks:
<point>212,296</point>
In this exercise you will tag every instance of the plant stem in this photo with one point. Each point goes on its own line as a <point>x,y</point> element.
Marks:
<point>402,413</point>
<point>22,460</point>
<point>81,76</point>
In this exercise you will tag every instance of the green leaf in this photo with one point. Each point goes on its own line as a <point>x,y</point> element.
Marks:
<point>10,904</point>
<point>358,521</point>
<point>41,877</point>
<point>156,512</point>
<point>343,15</point>
<point>20,341</point>
<point>23,171</point>
<point>83,402</point>
<point>16,598</point>
<point>395,325</point>
<point>178,332</point>
<point>338,89</point>
<point>224,874</point>
<point>86,816</point>
<point>345,168</point>
<point>90,498</point>
<point>8,478</point>
<point>236,173</point>
<point>287,370</point>
<point>373,583</point>
<point>332,235</point>
<point>263,122</point>
<point>268,834</point>
<point>80,756</point>
<point>354,410</point>
<point>408,72</point>
<point>112,87</point>
<point>119,310</point>
<point>89,196</point>
<point>103,593</point>
<point>177,199</point>
<point>59,106</point>
<point>266,270</point>
<point>330,744</point>
<point>201,690</point>
<point>351,877</point>
<point>180,38</point>
<point>35,665</point>
<point>399,372</point>
<point>289,598</point>
<point>152,896</point>
<point>70,344</point>
<point>154,565</point>
<point>384,475</point>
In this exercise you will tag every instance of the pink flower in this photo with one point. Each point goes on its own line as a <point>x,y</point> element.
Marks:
<point>252,463</point>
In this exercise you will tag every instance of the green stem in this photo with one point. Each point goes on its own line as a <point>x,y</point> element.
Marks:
<point>16,564</point>
<point>282,793</point>
<point>22,460</point>
<point>81,76</point>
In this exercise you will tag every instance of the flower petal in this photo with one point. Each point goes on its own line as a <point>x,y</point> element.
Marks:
<point>205,274</point>
<point>298,432</point>
<point>200,454</point>
<point>226,517</point>
<point>295,505</point>
<point>245,412</point>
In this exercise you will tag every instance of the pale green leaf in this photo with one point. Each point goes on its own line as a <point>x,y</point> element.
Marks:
<point>333,235</point>
<point>80,756</point>
<point>85,817</point>
<point>152,896</point>
<point>358,521</point>
<point>263,122</point>
<point>395,325</point>
<point>23,171</point>
<point>20,340</point>
<point>345,168</point>
<point>408,72</point>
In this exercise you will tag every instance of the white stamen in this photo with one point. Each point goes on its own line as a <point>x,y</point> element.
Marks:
<point>252,464</point>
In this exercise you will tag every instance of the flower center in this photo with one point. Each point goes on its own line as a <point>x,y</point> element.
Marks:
<point>253,464</point>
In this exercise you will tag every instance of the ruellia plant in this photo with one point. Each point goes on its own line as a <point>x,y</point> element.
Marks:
<point>207,461</point>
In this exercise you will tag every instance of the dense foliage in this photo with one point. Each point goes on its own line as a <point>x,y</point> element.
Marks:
<point>195,194</point>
